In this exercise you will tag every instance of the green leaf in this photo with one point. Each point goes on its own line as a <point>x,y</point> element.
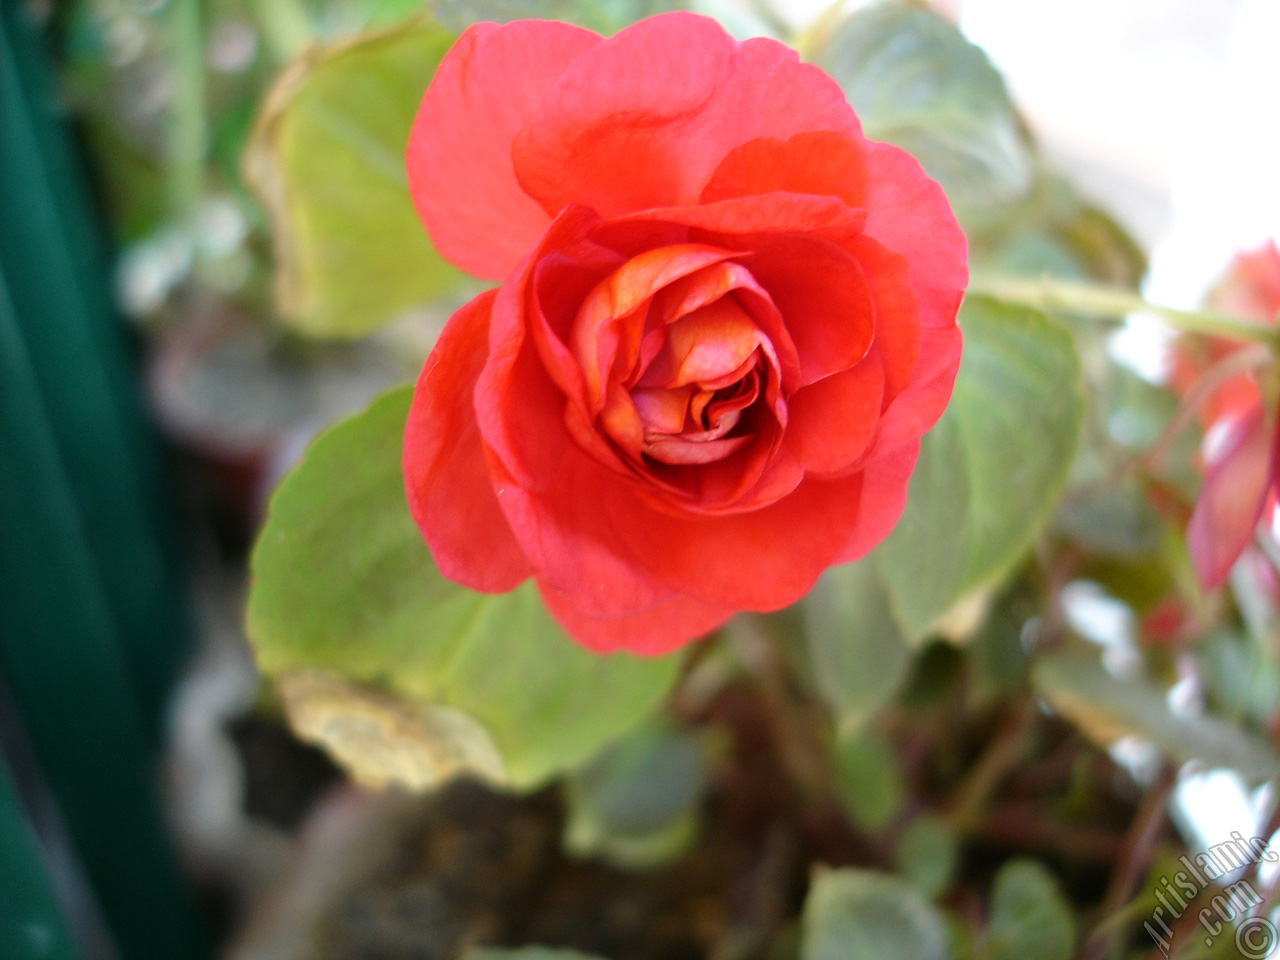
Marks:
<point>525,953</point>
<point>857,657</point>
<point>864,915</point>
<point>1241,675</point>
<point>347,606</point>
<point>636,805</point>
<point>742,18</point>
<point>1136,414</point>
<point>937,674</point>
<point>915,81</point>
<point>1079,688</point>
<point>867,780</point>
<point>993,467</point>
<point>1030,918</point>
<point>997,654</point>
<point>1052,230</point>
<point>327,159</point>
<point>602,16</point>
<point>1113,520</point>
<point>927,854</point>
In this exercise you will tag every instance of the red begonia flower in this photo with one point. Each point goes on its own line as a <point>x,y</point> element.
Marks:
<point>1242,463</point>
<point>725,320</point>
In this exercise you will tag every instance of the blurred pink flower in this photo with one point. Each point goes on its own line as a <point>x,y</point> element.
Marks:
<point>1243,445</point>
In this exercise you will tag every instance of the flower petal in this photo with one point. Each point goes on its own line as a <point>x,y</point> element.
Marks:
<point>610,311</point>
<point>832,421</point>
<point>615,132</point>
<point>683,451</point>
<point>709,285</point>
<point>711,343</point>
<point>519,406</point>
<point>740,220</point>
<point>909,214</point>
<point>1232,497</point>
<point>760,560</point>
<point>823,163</point>
<point>914,411</point>
<point>1251,287</point>
<point>567,534</point>
<point>824,298</point>
<point>450,494</point>
<point>906,211</point>
<point>644,119</point>
<point>459,157</point>
<point>898,334</point>
<point>669,625</point>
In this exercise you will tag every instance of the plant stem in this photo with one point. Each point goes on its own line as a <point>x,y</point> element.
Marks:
<point>1116,303</point>
<point>1001,755</point>
<point>1116,923</point>
<point>1140,841</point>
<point>1023,826</point>
<point>801,749</point>
<point>188,126</point>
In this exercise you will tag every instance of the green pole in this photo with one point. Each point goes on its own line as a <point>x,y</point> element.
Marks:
<point>61,660</point>
<point>91,624</point>
<point>83,370</point>
<point>31,924</point>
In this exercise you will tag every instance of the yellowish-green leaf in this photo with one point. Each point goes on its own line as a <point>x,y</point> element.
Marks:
<point>602,16</point>
<point>383,740</point>
<point>327,159</point>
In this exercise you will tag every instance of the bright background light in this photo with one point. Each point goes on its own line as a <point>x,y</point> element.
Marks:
<point>1165,111</point>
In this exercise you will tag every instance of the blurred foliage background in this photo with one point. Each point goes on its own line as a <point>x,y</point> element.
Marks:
<point>986,741</point>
